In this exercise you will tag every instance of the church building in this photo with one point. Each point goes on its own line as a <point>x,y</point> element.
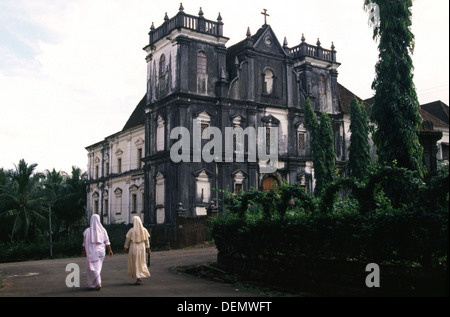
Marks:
<point>216,117</point>
<point>196,82</point>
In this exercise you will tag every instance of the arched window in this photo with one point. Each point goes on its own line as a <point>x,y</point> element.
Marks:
<point>202,62</point>
<point>162,65</point>
<point>268,81</point>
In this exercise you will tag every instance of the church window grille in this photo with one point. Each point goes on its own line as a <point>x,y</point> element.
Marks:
<point>162,65</point>
<point>204,126</point>
<point>301,141</point>
<point>268,136</point>
<point>202,62</point>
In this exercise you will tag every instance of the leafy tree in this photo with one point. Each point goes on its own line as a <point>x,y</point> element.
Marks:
<point>327,144</point>
<point>359,150</point>
<point>322,147</point>
<point>396,108</point>
<point>312,125</point>
<point>72,203</point>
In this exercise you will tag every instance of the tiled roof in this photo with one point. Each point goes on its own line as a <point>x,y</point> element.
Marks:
<point>138,115</point>
<point>345,97</point>
<point>437,109</point>
<point>436,112</point>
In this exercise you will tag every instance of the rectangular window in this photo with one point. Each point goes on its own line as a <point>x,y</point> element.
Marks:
<point>96,206</point>
<point>160,135</point>
<point>139,158</point>
<point>268,137</point>
<point>162,65</point>
<point>119,165</point>
<point>301,141</point>
<point>107,169</point>
<point>160,190</point>
<point>118,205</point>
<point>204,126</point>
<point>133,203</point>
<point>201,62</point>
<point>96,171</point>
<point>237,188</point>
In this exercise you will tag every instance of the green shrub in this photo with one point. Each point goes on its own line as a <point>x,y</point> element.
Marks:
<point>374,221</point>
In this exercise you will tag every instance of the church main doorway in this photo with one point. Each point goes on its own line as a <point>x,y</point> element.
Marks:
<point>269,182</point>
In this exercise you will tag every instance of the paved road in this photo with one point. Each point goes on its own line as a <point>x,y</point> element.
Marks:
<point>47,278</point>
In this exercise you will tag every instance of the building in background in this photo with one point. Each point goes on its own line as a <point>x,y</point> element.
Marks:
<point>116,174</point>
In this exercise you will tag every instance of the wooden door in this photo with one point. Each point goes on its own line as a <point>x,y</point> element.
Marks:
<point>268,183</point>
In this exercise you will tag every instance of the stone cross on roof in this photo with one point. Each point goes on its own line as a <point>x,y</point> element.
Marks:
<point>265,15</point>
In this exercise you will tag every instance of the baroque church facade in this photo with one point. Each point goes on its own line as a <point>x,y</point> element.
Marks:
<point>195,83</point>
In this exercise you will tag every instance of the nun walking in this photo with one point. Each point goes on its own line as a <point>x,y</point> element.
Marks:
<point>137,243</point>
<point>94,242</point>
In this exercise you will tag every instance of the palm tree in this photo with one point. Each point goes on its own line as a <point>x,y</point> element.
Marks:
<point>68,197</point>
<point>20,200</point>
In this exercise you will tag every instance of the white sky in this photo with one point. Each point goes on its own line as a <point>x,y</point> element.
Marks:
<point>72,71</point>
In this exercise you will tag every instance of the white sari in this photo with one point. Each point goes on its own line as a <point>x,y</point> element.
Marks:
<point>95,240</point>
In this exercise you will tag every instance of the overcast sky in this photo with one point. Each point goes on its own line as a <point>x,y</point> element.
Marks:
<point>72,71</point>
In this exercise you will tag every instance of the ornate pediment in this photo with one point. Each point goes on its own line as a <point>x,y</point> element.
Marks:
<point>118,192</point>
<point>119,152</point>
<point>237,120</point>
<point>203,173</point>
<point>139,142</point>
<point>270,119</point>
